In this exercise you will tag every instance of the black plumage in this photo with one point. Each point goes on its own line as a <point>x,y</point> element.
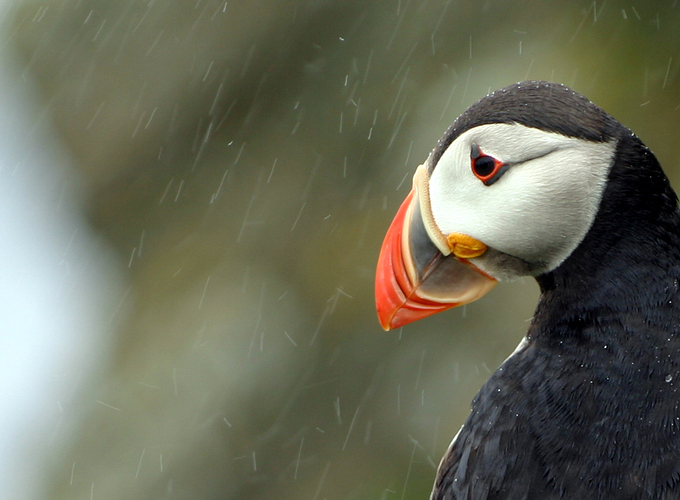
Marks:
<point>589,408</point>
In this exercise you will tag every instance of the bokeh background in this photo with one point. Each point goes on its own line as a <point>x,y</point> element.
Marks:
<point>193,195</point>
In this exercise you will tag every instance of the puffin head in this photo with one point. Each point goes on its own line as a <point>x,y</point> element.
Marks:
<point>512,189</point>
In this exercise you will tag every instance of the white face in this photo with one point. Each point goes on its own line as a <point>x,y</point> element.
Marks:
<point>539,210</point>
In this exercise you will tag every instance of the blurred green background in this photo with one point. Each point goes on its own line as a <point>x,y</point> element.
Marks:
<point>244,159</point>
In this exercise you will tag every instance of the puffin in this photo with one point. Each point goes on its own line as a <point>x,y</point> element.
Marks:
<point>536,180</point>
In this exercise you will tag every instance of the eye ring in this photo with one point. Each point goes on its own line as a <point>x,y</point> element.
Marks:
<point>486,168</point>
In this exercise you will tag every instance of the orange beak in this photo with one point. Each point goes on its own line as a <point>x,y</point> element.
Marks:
<point>421,271</point>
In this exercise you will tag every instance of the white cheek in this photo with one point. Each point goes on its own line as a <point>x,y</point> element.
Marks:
<point>540,209</point>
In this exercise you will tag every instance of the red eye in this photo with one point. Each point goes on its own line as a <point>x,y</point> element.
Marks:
<point>486,168</point>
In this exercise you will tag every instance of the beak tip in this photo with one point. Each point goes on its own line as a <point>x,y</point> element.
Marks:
<point>385,312</point>
<point>388,324</point>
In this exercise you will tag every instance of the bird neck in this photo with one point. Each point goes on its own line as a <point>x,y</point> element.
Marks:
<point>627,269</point>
